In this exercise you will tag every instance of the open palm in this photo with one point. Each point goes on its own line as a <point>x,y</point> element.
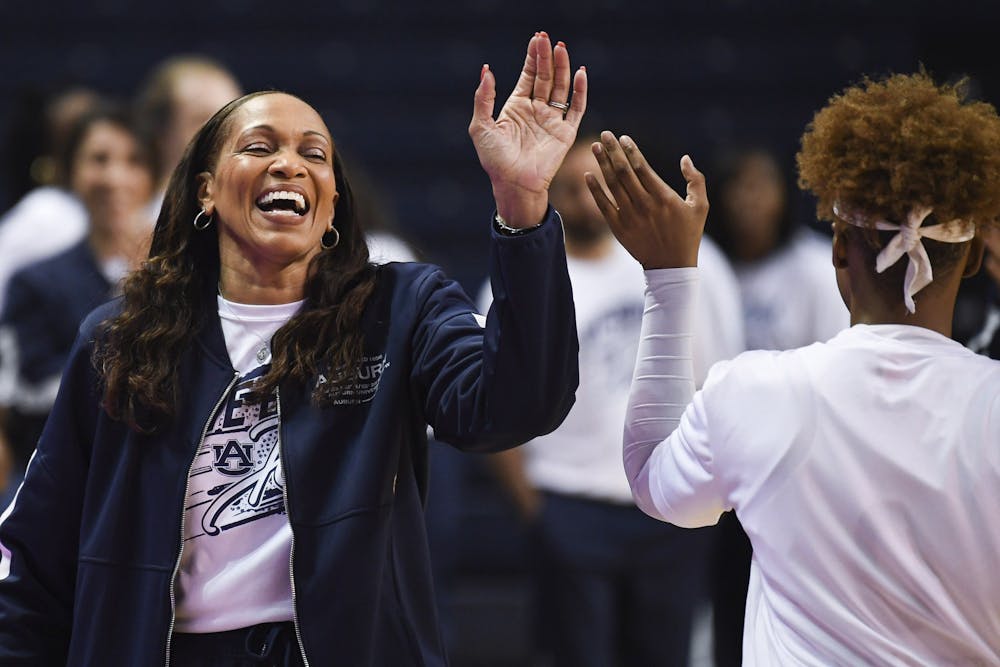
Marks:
<point>523,148</point>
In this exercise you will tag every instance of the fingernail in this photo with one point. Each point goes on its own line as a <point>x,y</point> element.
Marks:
<point>482,72</point>
<point>544,34</point>
<point>627,142</point>
<point>561,43</point>
<point>583,68</point>
<point>598,149</point>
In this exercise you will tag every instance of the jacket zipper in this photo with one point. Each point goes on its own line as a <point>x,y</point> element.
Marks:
<point>291,551</point>
<point>187,485</point>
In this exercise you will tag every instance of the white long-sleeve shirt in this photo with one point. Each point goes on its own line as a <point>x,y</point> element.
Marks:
<point>866,471</point>
<point>583,456</point>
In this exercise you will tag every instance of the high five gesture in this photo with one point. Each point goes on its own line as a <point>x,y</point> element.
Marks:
<point>656,225</point>
<point>522,149</point>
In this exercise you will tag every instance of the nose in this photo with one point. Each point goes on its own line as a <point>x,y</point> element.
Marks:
<point>118,174</point>
<point>287,164</point>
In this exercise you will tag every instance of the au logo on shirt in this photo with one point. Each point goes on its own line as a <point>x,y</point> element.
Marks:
<point>233,458</point>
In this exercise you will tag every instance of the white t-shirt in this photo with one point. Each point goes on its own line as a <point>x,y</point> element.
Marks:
<point>384,247</point>
<point>237,541</point>
<point>866,471</point>
<point>791,298</point>
<point>583,456</point>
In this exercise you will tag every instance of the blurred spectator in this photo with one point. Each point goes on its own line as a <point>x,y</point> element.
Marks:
<point>614,587</point>
<point>785,270</point>
<point>48,218</point>
<point>175,100</point>
<point>40,119</point>
<point>110,168</point>
<point>790,299</point>
<point>385,242</point>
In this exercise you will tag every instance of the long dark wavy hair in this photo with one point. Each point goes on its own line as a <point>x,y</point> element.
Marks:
<point>172,296</point>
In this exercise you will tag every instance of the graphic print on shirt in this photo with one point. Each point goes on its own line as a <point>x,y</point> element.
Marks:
<point>609,343</point>
<point>237,476</point>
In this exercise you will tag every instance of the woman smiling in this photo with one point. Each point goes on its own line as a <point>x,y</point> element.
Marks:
<point>239,447</point>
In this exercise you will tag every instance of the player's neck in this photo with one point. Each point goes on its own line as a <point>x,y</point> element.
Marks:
<point>935,307</point>
<point>935,320</point>
<point>873,301</point>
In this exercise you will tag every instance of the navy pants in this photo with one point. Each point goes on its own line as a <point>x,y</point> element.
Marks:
<point>616,587</point>
<point>265,645</point>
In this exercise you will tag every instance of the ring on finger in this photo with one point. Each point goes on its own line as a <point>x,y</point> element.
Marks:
<point>562,106</point>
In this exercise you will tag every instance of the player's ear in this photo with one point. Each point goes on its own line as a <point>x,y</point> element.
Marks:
<point>840,243</point>
<point>974,260</point>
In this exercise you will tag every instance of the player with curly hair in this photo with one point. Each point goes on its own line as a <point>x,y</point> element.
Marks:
<point>865,470</point>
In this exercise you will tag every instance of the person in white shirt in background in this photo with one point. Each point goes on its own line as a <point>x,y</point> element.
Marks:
<point>790,299</point>
<point>866,469</point>
<point>109,166</point>
<point>49,218</point>
<point>615,587</point>
<point>786,283</point>
<point>175,100</point>
<point>46,220</point>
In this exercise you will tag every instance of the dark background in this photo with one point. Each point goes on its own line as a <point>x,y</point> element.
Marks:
<point>395,80</point>
<point>395,83</point>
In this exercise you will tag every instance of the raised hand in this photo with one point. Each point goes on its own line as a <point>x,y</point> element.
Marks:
<point>654,223</point>
<point>523,148</point>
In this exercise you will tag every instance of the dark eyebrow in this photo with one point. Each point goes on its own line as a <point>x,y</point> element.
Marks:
<point>318,134</point>
<point>268,128</point>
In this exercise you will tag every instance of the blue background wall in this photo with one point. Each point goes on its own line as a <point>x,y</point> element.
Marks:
<point>395,80</point>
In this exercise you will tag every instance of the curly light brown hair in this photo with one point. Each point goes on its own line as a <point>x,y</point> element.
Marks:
<point>881,148</point>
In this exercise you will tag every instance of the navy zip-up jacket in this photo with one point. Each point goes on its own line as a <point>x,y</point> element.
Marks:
<point>90,546</point>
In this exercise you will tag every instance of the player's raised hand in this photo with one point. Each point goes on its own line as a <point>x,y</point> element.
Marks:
<point>656,225</point>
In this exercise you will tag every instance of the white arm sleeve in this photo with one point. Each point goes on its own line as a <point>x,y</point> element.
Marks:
<point>665,450</point>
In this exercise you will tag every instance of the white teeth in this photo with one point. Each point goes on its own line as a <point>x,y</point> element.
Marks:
<point>300,201</point>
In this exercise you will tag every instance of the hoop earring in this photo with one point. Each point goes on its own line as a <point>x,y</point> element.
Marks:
<point>205,224</point>
<point>336,240</point>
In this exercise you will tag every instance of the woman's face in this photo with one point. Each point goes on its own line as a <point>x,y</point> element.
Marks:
<point>112,176</point>
<point>755,202</point>
<point>272,190</point>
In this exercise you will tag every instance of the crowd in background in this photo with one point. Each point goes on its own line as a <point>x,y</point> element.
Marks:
<point>557,512</point>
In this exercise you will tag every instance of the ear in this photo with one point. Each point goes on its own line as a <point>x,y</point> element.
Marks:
<point>840,245</point>
<point>206,197</point>
<point>336,198</point>
<point>974,260</point>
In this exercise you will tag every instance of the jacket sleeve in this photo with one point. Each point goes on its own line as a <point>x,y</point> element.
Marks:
<point>490,387</point>
<point>39,530</point>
